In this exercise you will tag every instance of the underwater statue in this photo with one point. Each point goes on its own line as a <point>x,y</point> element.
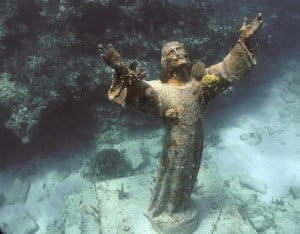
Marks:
<point>179,98</point>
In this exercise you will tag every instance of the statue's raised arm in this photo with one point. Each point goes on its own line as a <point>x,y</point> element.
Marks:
<point>239,61</point>
<point>128,87</point>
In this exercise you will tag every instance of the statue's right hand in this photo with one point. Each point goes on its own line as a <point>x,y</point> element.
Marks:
<point>248,30</point>
<point>110,56</point>
<point>123,76</point>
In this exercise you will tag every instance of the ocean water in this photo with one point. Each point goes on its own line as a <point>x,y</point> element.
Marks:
<point>72,161</point>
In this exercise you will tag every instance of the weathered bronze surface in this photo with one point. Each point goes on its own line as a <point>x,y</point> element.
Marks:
<point>180,101</point>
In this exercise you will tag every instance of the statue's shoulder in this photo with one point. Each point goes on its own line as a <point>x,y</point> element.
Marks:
<point>155,83</point>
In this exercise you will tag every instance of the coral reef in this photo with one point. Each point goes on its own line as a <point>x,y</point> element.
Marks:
<point>106,164</point>
<point>47,47</point>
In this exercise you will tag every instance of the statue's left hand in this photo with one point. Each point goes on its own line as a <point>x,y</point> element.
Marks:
<point>248,30</point>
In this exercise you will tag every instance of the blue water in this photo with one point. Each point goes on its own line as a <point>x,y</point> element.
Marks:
<point>55,116</point>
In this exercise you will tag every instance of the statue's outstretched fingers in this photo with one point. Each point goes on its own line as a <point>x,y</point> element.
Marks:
<point>259,17</point>
<point>244,25</point>
<point>243,29</point>
<point>255,24</point>
<point>248,30</point>
<point>110,47</point>
<point>101,49</point>
<point>257,20</point>
<point>103,52</point>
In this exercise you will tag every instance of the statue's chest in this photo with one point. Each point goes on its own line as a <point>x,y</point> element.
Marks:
<point>173,97</point>
<point>181,104</point>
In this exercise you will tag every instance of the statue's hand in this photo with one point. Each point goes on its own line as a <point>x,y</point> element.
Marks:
<point>110,56</point>
<point>124,76</point>
<point>123,79</point>
<point>248,30</point>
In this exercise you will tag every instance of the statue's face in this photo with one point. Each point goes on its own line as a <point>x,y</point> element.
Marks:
<point>174,55</point>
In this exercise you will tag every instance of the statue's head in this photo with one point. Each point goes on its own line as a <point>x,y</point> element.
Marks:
<point>173,56</point>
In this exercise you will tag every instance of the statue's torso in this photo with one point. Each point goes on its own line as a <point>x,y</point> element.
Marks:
<point>182,110</point>
<point>180,103</point>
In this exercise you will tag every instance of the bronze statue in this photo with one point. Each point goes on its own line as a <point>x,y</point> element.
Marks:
<point>179,98</point>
